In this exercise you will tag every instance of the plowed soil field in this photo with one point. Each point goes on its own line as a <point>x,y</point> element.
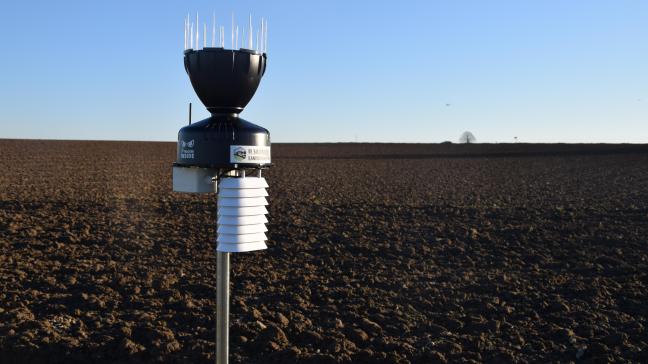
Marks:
<point>378,253</point>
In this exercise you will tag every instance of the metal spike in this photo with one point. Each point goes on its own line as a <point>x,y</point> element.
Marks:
<point>265,41</point>
<point>243,38</point>
<point>214,30</point>
<point>250,33</point>
<point>197,33</point>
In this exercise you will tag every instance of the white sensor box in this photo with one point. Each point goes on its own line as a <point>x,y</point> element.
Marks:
<point>193,179</point>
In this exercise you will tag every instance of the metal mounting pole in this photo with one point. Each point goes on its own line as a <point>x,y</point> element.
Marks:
<point>222,303</point>
<point>222,307</point>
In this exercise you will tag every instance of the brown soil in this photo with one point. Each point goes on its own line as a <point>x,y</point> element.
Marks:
<point>377,254</point>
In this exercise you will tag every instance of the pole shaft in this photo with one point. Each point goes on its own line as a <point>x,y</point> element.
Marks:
<point>222,307</point>
<point>222,302</point>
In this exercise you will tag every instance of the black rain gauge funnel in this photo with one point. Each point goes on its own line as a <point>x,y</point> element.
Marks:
<point>225,153</point>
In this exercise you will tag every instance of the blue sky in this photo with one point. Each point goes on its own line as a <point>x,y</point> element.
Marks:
<point>371,71</point>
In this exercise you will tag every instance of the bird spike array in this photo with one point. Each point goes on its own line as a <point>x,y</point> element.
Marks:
<point>192,35</point>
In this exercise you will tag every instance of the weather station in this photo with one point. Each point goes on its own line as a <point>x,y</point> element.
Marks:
<point>225,154</point>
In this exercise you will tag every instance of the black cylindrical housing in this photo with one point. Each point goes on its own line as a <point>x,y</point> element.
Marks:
<point>209,142</point>
<point>224,80</point>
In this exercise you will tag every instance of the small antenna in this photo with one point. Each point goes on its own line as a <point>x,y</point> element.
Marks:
<point>214,30</point>
<point>232,30</point>
<point>204,35</point>
<point>189,113</point>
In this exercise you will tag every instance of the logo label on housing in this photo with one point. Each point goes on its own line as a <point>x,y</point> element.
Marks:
<point>249,154</point>
<point>186,149</point>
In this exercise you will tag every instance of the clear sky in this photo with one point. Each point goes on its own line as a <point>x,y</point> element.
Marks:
<point>338,70</point>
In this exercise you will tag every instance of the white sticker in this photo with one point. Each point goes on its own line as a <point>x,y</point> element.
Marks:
<point>249,154</point>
